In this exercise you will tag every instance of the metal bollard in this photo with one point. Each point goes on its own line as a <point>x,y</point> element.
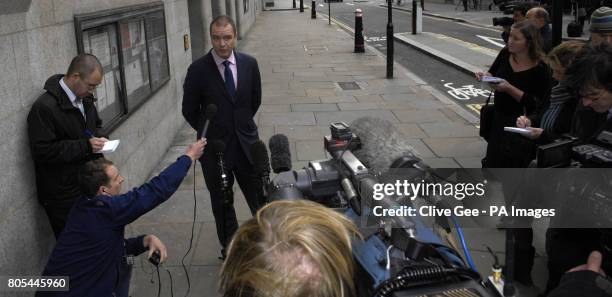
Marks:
<point>301,5</point>
<point>417,18</point>
<point>359,46</point>
<point>313,10</point>
<point>293,3</point>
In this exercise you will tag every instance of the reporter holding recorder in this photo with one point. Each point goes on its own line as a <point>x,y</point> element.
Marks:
<point>92,251</point>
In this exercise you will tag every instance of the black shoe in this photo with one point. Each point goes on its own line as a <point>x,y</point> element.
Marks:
<point>223,254</point>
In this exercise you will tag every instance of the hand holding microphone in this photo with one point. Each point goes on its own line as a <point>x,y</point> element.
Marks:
<point>196,149</point>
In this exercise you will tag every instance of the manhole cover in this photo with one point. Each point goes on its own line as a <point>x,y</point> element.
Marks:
<point>351,85</point>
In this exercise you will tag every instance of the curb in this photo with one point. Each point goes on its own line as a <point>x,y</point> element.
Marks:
<point>441,16</point>
<point>438,55</point>
<point>461,20</point>
<point>463,113</point>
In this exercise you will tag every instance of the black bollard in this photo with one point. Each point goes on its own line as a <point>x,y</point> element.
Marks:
<point>390,40</point>
<point>313,10</point>
<point>294,4</point>
<point>359,46</point>
<point>414,17</point>
<point>301,5</point>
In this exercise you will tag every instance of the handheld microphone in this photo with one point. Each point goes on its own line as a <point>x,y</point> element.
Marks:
<point>280,153</point>
<point>209,113</point>
<point>219,147</point>
<point>259,153</point>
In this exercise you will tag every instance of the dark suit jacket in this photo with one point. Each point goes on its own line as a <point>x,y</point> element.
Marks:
<point>233,122</point>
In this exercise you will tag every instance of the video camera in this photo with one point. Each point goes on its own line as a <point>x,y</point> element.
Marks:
<point>407,261</point>
<point>508,8</point>
<point>569,152</point>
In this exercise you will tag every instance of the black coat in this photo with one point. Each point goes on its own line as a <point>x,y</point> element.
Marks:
<point>58,142</point>
<point>233,122</point>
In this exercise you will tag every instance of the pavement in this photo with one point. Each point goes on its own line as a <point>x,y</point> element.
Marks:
<point>301,62</point>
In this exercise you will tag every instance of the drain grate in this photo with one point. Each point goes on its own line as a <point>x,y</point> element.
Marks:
<point>313,48</point>
<point>350,85</point>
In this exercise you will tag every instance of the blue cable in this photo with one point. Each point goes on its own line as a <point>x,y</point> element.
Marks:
<point>468,256</point>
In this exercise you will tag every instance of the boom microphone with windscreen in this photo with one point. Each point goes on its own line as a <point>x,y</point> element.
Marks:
<point>280,154</point>
<point>382,144</point>
<point>259,153</point>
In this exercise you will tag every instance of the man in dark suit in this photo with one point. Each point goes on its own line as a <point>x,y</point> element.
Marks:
<point>232,82</point>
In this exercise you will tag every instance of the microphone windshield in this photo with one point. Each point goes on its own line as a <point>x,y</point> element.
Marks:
<point>259,153</point>
<point>280,154</point>
<point>219,146</point>
<point>381,143</point>
<point>211,110</point>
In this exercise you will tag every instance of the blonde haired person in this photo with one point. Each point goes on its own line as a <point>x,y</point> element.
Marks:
<point>556,118</point>
<point>291,248</point>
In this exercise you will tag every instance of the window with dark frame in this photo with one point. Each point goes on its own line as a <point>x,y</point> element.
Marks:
<point>131,44</point>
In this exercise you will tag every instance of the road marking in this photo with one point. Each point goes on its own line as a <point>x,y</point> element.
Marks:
<point>492,40</point>
<point>475,107</point>
<point>466,92</point>
<point>351,4</point>
<point>487,51</point>
<point>321,5</point>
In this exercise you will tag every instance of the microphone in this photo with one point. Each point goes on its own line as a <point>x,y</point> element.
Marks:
<point>383,146</point>
<point>259,153</point>
<point>209,113</point>
<point>280,154</point>
<point>219,147</point>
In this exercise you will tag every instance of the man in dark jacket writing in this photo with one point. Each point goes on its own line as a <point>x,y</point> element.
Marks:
<point>91,250</point>
<point>62,128</point>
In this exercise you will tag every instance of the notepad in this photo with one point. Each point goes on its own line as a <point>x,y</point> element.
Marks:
<point>492,79</point>
<point>110,146</point>
<point>522,131</point>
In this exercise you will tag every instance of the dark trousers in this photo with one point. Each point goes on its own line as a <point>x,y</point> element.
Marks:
<point>240,169</point>
<point>122,288</point>
<point>58,215</point>
<point>465,5</point>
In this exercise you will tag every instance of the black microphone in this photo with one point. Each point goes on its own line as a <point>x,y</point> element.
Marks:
<point>280,154</point>
<point>259,153</point>
<point>219,147</point>
<point>209,113</point>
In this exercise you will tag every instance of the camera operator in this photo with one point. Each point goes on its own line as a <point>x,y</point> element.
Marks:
<point>290,248</point>
<point>518,15</point>
<point>92,251</point>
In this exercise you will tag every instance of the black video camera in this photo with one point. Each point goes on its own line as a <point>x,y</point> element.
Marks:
<point>566,152</point>
<point>503,21</point>
<point>405,261</point>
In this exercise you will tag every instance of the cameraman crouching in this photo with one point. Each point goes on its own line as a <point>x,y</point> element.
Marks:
<point>91,250</point>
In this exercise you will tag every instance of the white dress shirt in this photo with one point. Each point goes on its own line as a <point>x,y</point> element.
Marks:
<point>73,98</point>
